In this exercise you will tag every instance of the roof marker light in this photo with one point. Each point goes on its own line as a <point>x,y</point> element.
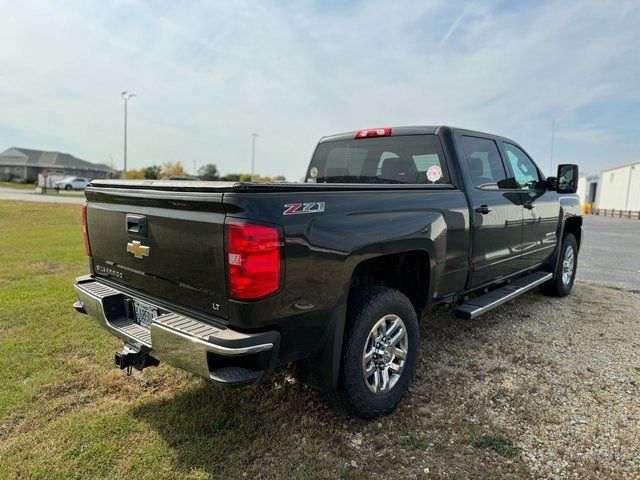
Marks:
<point>373,132</point>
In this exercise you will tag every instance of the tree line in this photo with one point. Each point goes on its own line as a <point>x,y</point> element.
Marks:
<point>207,172</point>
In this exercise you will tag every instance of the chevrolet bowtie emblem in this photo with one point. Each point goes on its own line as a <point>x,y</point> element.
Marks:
<point>138,250</point>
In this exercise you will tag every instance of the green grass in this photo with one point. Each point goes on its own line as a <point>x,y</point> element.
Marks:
<point>17,186</point>
<point>415,443</point>
<point>497,443</point>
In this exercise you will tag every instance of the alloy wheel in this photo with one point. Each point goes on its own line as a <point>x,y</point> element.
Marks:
<point>385,353</point>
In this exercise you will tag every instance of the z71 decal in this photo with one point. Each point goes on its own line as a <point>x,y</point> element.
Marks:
<point>302,208</point>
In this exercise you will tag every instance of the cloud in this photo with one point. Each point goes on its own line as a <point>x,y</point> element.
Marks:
<point>208,74</point>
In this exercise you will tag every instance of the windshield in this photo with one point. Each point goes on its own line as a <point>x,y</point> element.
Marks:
<point>408,159</point>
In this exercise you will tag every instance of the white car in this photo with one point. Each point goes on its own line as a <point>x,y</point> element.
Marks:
<point>71,183</point>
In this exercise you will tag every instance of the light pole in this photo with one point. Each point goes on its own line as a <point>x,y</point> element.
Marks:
<point>553,131</point>
<point>126,96</point>
<point>253,154</point>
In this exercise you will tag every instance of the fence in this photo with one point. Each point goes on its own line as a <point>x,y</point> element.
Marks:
<point>615,213</point>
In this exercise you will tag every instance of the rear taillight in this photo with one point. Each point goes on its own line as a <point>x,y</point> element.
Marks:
<point>373,132</point>
<point>253,259</point>
<point>85,233</point>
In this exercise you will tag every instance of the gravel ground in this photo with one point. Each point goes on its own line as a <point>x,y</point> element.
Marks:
<point>559,378</point>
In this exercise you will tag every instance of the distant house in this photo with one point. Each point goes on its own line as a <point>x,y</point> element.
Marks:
<point>26,164</point>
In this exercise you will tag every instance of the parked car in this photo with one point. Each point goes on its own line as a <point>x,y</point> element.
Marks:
<point>333,275</point>
<point>71,183</point>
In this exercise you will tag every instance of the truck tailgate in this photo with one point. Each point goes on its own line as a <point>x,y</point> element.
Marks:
<point>178,255</point>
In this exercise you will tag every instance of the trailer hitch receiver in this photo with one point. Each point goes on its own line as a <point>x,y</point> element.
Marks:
<point>131,357</point>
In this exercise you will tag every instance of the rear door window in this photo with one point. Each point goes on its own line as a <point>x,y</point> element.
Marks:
<point>485,164</point>
<point>402,159</point>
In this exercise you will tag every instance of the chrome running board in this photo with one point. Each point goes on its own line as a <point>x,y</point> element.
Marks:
<point>484,303</point>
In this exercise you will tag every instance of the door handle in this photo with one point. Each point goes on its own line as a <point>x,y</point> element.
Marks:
<point>528,205</point>
<point>483,209</point>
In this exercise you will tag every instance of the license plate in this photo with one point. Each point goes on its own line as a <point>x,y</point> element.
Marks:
<point>144,314</point>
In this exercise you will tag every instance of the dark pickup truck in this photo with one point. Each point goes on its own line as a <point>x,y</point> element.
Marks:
<point>333,274</point>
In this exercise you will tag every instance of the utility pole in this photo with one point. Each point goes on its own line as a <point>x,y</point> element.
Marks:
<point>553,130</point>
<point>195,170</point>
<point>126,96</point>
<point>253,154</point>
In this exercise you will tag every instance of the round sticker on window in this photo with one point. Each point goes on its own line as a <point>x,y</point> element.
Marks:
<point>313,173</point>
<point>434,173</point>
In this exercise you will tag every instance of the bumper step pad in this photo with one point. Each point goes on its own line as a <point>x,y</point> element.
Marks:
<point>236,376</point>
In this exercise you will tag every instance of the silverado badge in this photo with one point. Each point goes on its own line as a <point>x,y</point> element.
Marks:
<point>138,250</point>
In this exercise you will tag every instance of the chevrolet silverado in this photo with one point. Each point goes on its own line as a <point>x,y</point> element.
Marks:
<point>331,275</point>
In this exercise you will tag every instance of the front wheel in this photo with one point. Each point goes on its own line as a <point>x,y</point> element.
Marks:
<point>67,187</point>
<point>380,351</point>
<point>565,274</point>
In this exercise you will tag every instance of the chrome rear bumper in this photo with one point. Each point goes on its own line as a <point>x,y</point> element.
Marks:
<point>219,354</point>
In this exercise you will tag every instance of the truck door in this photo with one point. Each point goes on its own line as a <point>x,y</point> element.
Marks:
<point>496,211</point>
<point>541,208</point>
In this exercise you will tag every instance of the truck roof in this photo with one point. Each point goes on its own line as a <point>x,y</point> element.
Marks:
<point>230,186</point>
<point>403,130</point>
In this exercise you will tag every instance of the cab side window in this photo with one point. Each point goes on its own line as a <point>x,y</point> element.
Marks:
<point>485,165</point>
<point>525,172</point>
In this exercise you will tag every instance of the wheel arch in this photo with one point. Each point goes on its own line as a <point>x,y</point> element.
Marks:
<point>408,271</point>
<point>322,370</point>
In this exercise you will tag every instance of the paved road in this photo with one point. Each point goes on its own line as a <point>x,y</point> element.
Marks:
<point>610,252</point>
<point>15,194</point>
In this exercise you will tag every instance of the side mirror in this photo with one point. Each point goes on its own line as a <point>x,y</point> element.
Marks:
<point>567,178</point>
<point>551,183</point>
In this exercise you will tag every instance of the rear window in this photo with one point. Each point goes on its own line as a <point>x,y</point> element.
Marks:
<point>409,159</point>
<point>485,164</point>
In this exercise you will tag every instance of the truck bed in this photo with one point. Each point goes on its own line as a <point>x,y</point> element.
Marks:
<point>204,186</point>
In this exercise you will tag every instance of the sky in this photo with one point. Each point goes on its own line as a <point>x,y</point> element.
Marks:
<point>209,74</point>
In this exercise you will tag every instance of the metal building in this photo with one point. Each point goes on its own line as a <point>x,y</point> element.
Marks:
<point>588,188</point>
<point>619,188</point>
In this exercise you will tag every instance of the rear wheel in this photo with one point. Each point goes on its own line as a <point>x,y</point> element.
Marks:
<point>380,351</point>
<point>565,274</point>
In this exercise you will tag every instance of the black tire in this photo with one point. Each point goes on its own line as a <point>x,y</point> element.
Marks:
<point>367,307</point>
<point>558,286</point>
<point>67,187</point>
